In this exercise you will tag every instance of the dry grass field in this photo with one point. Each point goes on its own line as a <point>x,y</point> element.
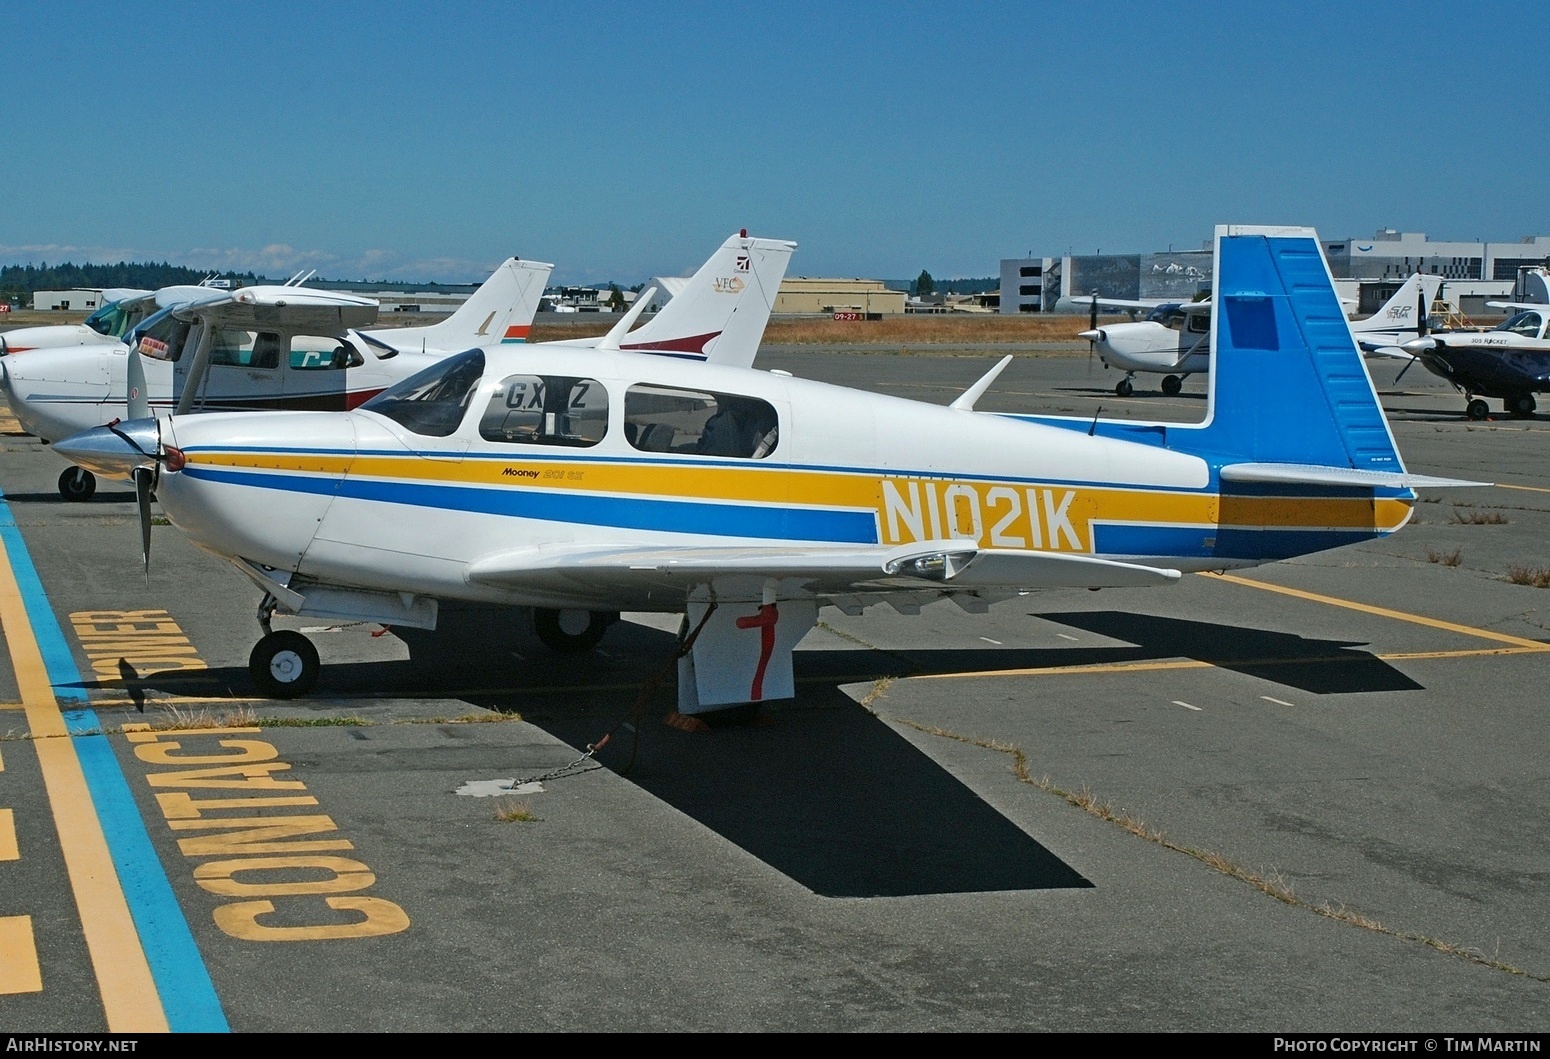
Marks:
<point>908,332</point>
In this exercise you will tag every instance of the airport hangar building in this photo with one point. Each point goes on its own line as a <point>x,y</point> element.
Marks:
<point>1369,270</point>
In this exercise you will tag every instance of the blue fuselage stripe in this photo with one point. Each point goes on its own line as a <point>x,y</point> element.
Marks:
<point>638,513</point>
<point>187,994</point>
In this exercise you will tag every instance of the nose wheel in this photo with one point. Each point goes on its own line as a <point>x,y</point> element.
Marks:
<point>284,665</point>
<point>77,484</point>
<point>1124,388</point>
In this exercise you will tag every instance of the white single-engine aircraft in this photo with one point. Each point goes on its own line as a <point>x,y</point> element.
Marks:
<point>123,309</point>
<point>583,482</point>
<point>1174,341</point>
<point>262,348</point>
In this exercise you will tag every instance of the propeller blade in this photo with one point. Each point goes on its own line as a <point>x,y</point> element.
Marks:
<point>1422,328</point>
<point>139,404</point>
<point>144,476</point>
<point>1092,325</point>
<point>1406,368</point>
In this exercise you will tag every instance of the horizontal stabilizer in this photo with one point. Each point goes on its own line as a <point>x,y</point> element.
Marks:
<point>1312,474</point>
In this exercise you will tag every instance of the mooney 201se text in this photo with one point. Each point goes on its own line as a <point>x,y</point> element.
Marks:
<point>586,481</point>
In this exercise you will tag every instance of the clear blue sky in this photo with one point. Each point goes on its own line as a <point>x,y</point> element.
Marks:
<point>619,140</point>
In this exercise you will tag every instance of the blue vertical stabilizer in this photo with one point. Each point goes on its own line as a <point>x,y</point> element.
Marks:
<point>1288,385</point>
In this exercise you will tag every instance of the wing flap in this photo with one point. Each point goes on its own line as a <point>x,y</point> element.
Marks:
<point>949,565</point>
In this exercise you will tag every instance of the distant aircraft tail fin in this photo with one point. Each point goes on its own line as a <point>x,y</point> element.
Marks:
<point>1404,309</point>
<point>500,311</point>
<point>721,313</point>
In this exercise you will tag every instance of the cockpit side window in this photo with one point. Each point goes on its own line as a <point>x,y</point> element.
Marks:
<point>160,336</point>
<point>667,419</point>
<point>1526,323</point>
<point>546,410</point>
<point>432,402</point>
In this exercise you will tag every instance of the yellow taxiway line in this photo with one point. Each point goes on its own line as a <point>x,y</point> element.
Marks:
<point>129,997</point>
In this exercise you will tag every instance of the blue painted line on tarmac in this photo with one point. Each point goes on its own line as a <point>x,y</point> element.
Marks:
<point>183,982</point>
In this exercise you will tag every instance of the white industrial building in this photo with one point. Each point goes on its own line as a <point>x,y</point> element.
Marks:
<point>1475,272</point>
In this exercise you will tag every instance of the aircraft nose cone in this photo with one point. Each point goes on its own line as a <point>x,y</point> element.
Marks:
<point>112,451</point>
<point>1092,336</point>
<point>1416,346</point>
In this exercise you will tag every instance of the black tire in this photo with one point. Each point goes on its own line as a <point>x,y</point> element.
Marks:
<point>284,665</point>
<point>1477,409</point>
<point>1123,388</point>
<point>1171,385</point>
<point>77,484</point>
<point>1522,405</point>
<point>571,632</point>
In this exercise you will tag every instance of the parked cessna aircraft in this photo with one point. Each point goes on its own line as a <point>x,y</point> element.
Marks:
<point>254,347</point>
<point>288,347</point>
<point>583,482</point>
<point>122,310</point>
<point>1511,361</point>
<point>1174,339</point>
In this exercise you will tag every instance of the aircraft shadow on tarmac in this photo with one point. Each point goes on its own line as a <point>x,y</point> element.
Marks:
<point>820,790</point>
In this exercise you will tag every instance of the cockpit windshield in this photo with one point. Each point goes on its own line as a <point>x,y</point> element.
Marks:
<point>1526,323</point>
<point>116,318</point>
<point>432,402</point>
<point>1169,314</point>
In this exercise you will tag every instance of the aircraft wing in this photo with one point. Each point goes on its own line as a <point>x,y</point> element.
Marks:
<point>945,565</point>
<point>1518,307</point>
<point>299,308</point>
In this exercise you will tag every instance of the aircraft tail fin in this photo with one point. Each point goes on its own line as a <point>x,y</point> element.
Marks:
<point>1288,384</point>
<point>1405,308</point>
<point>720,314</point>
<point>500,311</point>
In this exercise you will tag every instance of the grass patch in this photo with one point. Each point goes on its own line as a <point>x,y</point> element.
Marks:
<point>925,329</point>
<point>511,811</point>
<point>1479,518</point>
<point>1271,884</point>
<point>1452,558</point>
<point>1522,574</point>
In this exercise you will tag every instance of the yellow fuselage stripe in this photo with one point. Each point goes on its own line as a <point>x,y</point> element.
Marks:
<point>855,490</point>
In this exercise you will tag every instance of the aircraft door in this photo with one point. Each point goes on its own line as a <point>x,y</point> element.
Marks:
<point>243,370</point>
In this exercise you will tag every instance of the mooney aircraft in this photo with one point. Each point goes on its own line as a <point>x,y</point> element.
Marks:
<point>288,347</point>
<point>1174,340</point>
<point>583,482</point>
<point>1511,361</point>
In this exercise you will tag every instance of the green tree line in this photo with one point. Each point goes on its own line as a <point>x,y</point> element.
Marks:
<point>17,282</point>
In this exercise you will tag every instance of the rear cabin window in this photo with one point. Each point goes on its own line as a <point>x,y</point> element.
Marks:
<point>319,353</point>
<point>546,410</point>
<point>693,422</point>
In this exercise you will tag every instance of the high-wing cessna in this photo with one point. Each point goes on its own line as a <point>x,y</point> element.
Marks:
<point>288,347</point>
<point>586,482</point>
<point>1174,340</point>
<point>122,310</point>
<point>1511,361</point>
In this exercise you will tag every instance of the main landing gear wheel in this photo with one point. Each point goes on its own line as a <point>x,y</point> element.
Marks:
<point>570,632</point>
<point>1172,384</point>
<point>1123,388</point>
<point>1522,405</point>
<point>284,665</point>
<point>77,483</point>
<point>1477,409</point>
